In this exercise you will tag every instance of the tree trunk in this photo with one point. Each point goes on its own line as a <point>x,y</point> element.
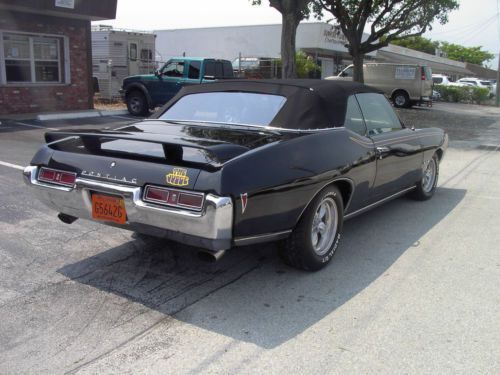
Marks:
<point>290,22</point>
<point>357,60</point>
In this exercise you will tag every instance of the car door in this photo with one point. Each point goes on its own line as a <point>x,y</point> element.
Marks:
<point>168,81</point>
<point>193,73</point>
<point>398,149</point>
<point>363,151</point>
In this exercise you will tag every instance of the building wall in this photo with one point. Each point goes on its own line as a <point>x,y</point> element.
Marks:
<point>318,39</point>
<point>220,42</point>
<point>76,92</point>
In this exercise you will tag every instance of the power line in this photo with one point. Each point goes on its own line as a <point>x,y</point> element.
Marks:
<point>465,29</point>
<point>478,31</point>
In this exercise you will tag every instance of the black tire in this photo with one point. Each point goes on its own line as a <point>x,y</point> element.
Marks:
<point>425,189</point>
<point>298,250</point>
<point>401,99</point>
<point>137,104</point>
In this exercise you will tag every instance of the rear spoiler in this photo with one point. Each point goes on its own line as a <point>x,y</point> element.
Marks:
<point>92,140</point>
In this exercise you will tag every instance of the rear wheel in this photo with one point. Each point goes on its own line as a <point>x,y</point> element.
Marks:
<point>137,103</point>
<point>401,99</point>
<point>426,187</point>
<point>314,240</point>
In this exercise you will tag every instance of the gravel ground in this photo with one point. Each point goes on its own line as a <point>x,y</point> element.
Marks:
<point>109,105</point>
<point>462,122</point>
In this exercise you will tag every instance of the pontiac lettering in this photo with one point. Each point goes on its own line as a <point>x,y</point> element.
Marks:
<point>109,177</point>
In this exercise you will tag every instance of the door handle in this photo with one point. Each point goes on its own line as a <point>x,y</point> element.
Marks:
<point>381,151</point>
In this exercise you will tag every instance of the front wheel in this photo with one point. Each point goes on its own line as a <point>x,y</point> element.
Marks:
<point>314,240</point>
<point>137,103</point>
<point>426,187</point>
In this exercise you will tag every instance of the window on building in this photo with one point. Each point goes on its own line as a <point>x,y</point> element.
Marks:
<point>146,54</point>
<point>132,54</point>
<point>32,58</point>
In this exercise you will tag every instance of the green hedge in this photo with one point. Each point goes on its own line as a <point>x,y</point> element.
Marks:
<point>467,94</point>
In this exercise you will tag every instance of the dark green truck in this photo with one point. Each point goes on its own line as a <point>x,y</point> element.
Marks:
<point>145,92</point>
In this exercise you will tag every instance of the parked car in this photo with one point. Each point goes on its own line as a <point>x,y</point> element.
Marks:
<point>147,91</point>
<point>441,79</point>
<point>404,84</point>
<point>478,83</point>
<point>242,162</point>
<point>493,85</point>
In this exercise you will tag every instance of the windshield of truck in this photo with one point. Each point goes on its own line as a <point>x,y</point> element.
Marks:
<point>242,108</point>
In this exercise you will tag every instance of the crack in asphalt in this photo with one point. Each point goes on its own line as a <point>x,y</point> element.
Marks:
<point>479,159</point>
<point>166,318</point>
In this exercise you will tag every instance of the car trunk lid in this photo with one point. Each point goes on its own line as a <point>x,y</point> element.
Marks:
<point>153,151</point>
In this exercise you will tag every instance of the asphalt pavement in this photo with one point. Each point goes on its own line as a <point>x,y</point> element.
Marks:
<point>412,289</point>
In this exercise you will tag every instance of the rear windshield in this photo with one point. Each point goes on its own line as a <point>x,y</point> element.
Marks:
<point>226,107</point>
<point>437,79</point>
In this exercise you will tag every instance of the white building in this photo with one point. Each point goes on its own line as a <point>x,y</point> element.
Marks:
<point>321,40</point>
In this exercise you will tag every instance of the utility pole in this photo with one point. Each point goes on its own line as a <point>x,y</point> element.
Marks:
<point>498,82</point>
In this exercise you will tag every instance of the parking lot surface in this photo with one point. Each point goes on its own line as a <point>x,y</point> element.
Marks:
<point>412,289</point>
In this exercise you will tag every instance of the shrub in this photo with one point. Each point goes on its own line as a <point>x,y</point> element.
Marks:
<point>467,94</point>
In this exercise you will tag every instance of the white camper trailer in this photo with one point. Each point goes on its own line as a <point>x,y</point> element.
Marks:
<point>117,54</point>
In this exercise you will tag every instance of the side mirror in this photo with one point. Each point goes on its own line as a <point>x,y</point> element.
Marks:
<point>407,125</point>
<point>343,74</point>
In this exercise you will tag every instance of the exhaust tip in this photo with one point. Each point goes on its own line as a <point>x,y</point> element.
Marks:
<point>67,219</point>
<point>211,256</point>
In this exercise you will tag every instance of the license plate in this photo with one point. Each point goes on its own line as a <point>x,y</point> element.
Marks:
<point>107,208</point>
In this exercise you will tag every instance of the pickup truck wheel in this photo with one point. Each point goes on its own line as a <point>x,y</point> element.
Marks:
<point>314,240</point>
<point>401,99</point>
<point>137,103</point>
<point>426,187</point>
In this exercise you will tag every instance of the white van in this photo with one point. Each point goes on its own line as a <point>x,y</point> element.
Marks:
<point>404,84</point>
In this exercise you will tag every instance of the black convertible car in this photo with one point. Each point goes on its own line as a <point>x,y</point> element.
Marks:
<point>241,162</point>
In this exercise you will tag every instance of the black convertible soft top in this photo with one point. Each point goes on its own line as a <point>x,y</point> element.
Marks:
<point>310,104</point>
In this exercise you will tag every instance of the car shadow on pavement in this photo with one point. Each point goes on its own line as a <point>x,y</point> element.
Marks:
<point>249,295</point>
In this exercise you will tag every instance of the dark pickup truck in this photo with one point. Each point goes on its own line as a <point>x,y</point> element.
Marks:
<point>147,91</point>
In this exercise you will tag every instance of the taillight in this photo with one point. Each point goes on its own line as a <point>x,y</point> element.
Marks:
<point>190,200</point>
<point>423,74</point>
<point>173,197</point>
<point>56,177</point>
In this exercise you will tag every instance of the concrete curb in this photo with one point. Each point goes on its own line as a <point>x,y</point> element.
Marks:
<point>81,114</point>
<point>114,112</point>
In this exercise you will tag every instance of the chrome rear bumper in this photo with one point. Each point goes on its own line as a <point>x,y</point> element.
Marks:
<point>211,228</point>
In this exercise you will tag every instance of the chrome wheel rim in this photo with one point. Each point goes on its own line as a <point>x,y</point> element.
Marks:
<point>324,226</point>
<point>135,104</point>
<point>429,177</point>
<point>400,100</point>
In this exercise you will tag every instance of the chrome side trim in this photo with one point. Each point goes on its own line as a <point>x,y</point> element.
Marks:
<point>377,203</point>
<point>242,241</point>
